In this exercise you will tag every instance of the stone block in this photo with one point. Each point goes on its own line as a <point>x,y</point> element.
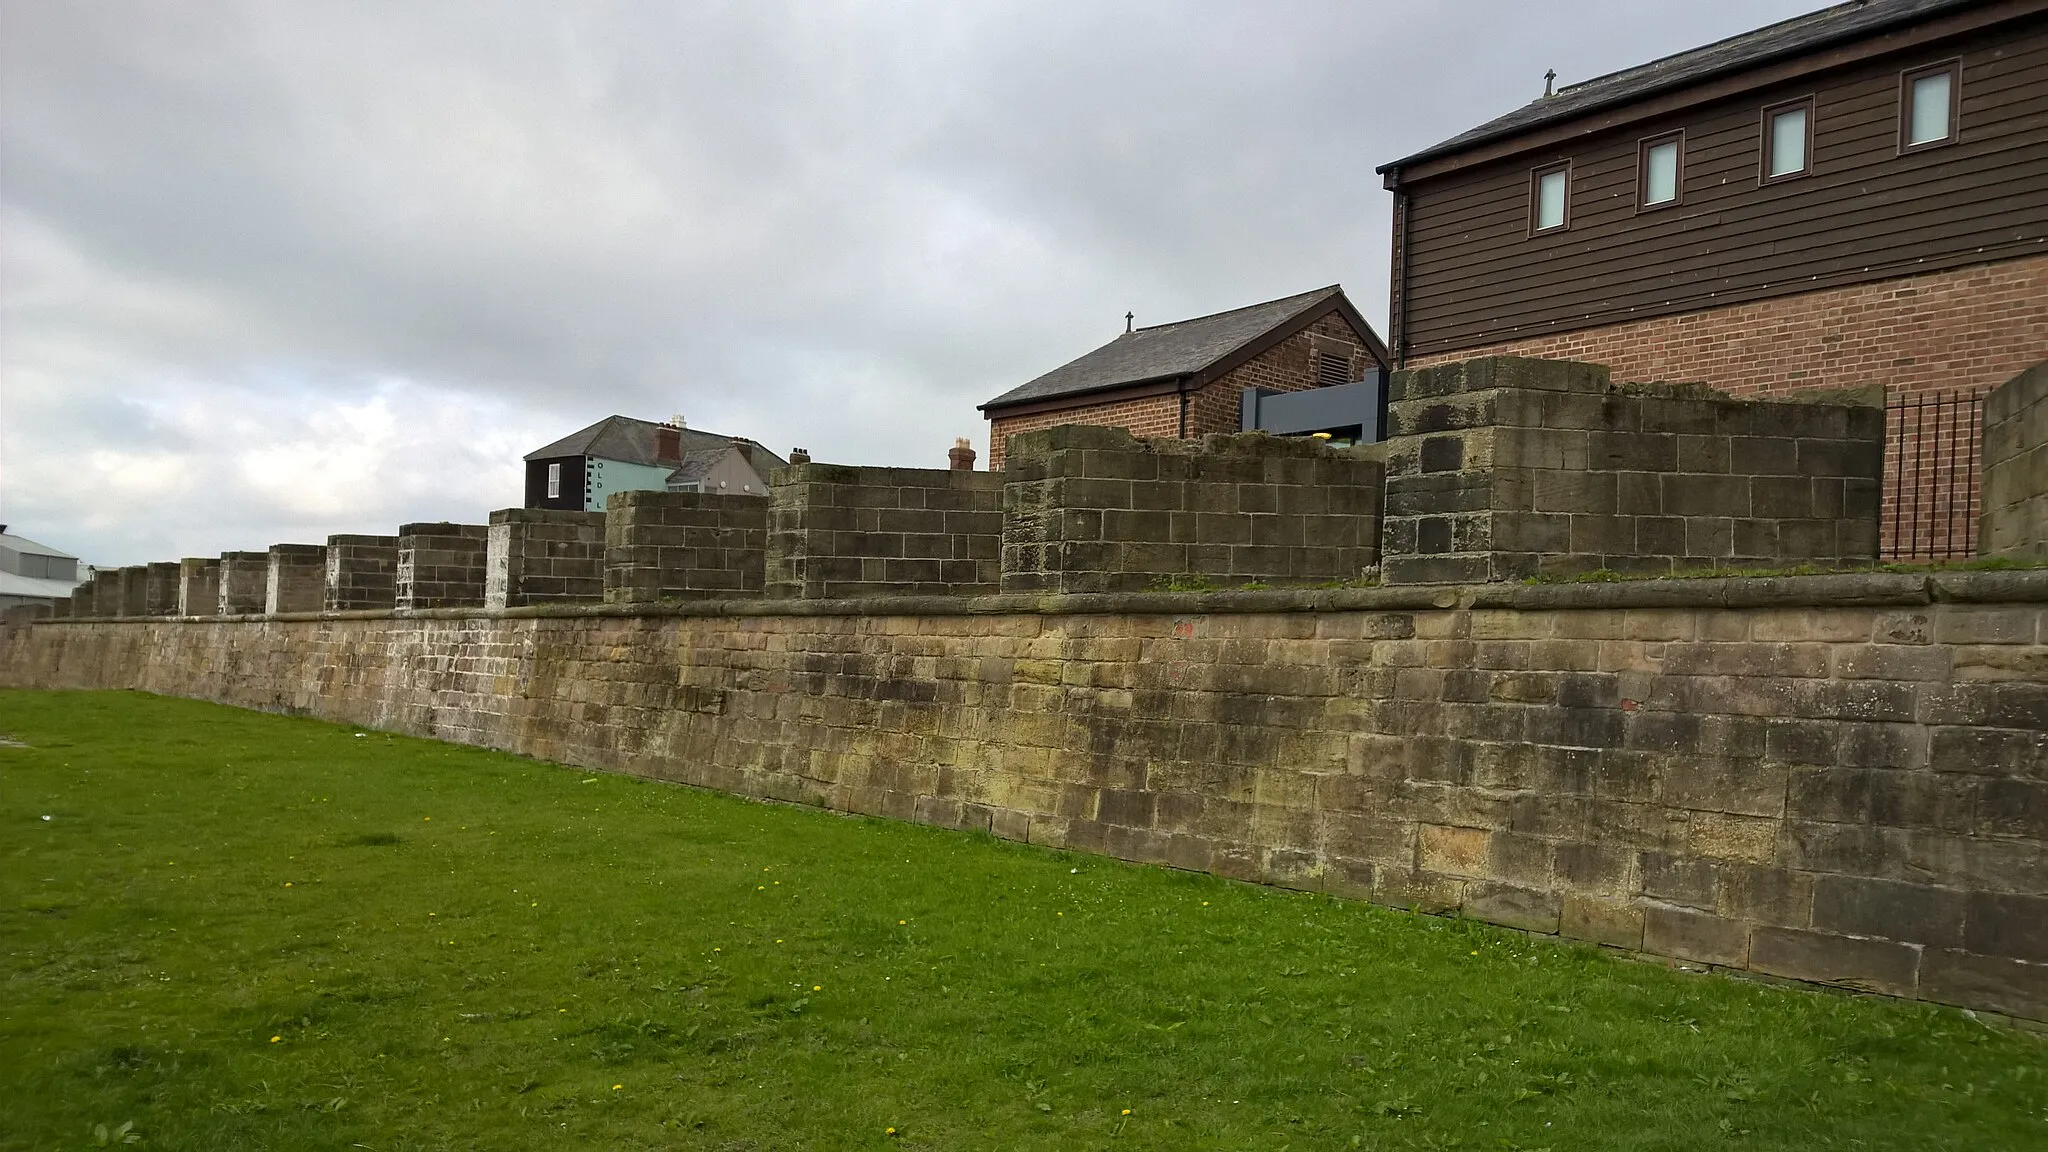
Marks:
<point>684,545</point>
<point>294,578</point>
<point>1086,515</point>
<point>362,573</point>
<point>2001,924</point>
<point>1873,965</point>
<point>1696,936</point>
<point>441,565</point>
<point>1915,913</point>
<point>1635,478</point>
<point>544,556</point>
<point>199,586</point>
<point>244,582</point>
<point>1525,908</point>
<point>1990,982</point>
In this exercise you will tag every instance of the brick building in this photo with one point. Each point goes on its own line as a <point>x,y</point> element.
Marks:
<point>1187,378</point>
<point>1855,197</point>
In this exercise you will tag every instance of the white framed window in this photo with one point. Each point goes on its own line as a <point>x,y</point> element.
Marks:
<point>554,481</point>
<point>1550,197</point>
<point>1788,140</point>
<point>1660,162</point>
<point>1928,106</point>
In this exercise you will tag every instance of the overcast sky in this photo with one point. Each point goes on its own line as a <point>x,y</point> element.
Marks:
<point>272,270</point>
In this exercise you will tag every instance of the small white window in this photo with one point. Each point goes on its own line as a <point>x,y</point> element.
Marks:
<point>554,481</point>
<point>1786,137</point>
<point>1552,191</point>
<point>1930,106</point>
<point>1660,172</point>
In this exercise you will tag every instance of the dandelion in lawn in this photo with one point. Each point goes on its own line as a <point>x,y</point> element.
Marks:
<point>903,921</point>
<point>275,1039</point>
<point>888,1131</point>
<point>817,987</point>
<point>1127,1111</point>
<point>287,883</point>
<point>616,1087</point>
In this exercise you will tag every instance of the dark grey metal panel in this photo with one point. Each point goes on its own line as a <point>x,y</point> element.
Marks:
<point>1358,405</point>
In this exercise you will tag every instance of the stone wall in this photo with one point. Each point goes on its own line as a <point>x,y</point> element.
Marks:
<point>244,580</point>
<point>2015,463</point>
<point>1963,330</point>
<point>133,597</point>
<point>199,586</point>
<point>1836,778</point>
<point>1099,510</point>
<point>683,546</point>
<point>295,579</point>
<point>362,573</point>
<point>83,599</point>
<point>544,556</point>
<point>442,565</point>
<point>160,589</point>
<point>1502,469</point>
<point>836,532</point>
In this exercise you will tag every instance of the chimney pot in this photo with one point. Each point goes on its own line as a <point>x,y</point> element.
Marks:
<point>962,455</point>
<point>799,456</point>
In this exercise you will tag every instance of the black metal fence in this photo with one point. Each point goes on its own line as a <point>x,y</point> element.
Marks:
<point>1931,475</point>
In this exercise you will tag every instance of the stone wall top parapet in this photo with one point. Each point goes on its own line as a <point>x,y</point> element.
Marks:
<point>1825,590</point>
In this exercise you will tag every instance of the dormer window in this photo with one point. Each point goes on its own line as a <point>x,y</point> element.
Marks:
<point>1550,198</point>
<point>1927,107</point>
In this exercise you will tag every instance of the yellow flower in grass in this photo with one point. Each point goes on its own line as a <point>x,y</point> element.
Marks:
<point>888,1131</point>
<point>275,1039</point>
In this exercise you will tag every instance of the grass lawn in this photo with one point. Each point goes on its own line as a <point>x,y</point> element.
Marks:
<point>241,931</point>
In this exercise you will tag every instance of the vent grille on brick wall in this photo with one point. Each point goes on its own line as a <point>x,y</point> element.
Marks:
<point>1931,475</point>
<point>1333,369</point>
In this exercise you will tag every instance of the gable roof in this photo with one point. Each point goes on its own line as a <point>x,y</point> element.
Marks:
<point>1793,37</point>
<point>632,441</point>
<point>1189,347</point>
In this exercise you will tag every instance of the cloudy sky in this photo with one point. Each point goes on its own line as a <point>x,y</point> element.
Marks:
<point>274,270</point>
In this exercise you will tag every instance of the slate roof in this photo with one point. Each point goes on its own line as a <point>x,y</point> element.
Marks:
<point>24,544</point>
<point>1793,37</point>
<point>1168,351</point>
<point>632,441</point>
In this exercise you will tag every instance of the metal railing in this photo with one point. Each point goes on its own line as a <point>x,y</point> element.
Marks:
<point>1931,475</point>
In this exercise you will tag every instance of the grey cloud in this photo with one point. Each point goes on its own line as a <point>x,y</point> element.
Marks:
<point>836,226</point>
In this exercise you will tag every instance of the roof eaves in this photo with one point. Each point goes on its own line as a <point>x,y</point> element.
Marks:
<point>1094,390</point>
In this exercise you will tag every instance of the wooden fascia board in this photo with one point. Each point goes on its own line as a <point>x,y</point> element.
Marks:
<point>1599,120</point>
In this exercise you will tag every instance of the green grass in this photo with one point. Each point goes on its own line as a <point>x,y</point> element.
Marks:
<point>240,931</point>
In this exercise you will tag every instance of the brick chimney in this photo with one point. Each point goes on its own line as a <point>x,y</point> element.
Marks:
<point>745,448</point>
<point>962,455</point>
<point>799,456</point>
<point>668,444</point>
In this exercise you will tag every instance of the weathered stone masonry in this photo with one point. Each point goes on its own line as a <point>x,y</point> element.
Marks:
<point>1836,778</point>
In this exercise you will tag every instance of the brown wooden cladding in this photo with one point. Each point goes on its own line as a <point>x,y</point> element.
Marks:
<point>1474,275</point>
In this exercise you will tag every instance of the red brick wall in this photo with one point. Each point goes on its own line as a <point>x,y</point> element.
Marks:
<point>1151,416</point>
<point>1288,366</point>
<point>1968,328</point>
<point>1966,331</point>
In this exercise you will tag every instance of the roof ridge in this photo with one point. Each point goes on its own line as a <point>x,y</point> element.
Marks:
<point>1649,65</point>
<point>1242,308</point>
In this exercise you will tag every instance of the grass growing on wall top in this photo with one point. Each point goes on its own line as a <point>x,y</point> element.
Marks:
<point>243,931</point>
